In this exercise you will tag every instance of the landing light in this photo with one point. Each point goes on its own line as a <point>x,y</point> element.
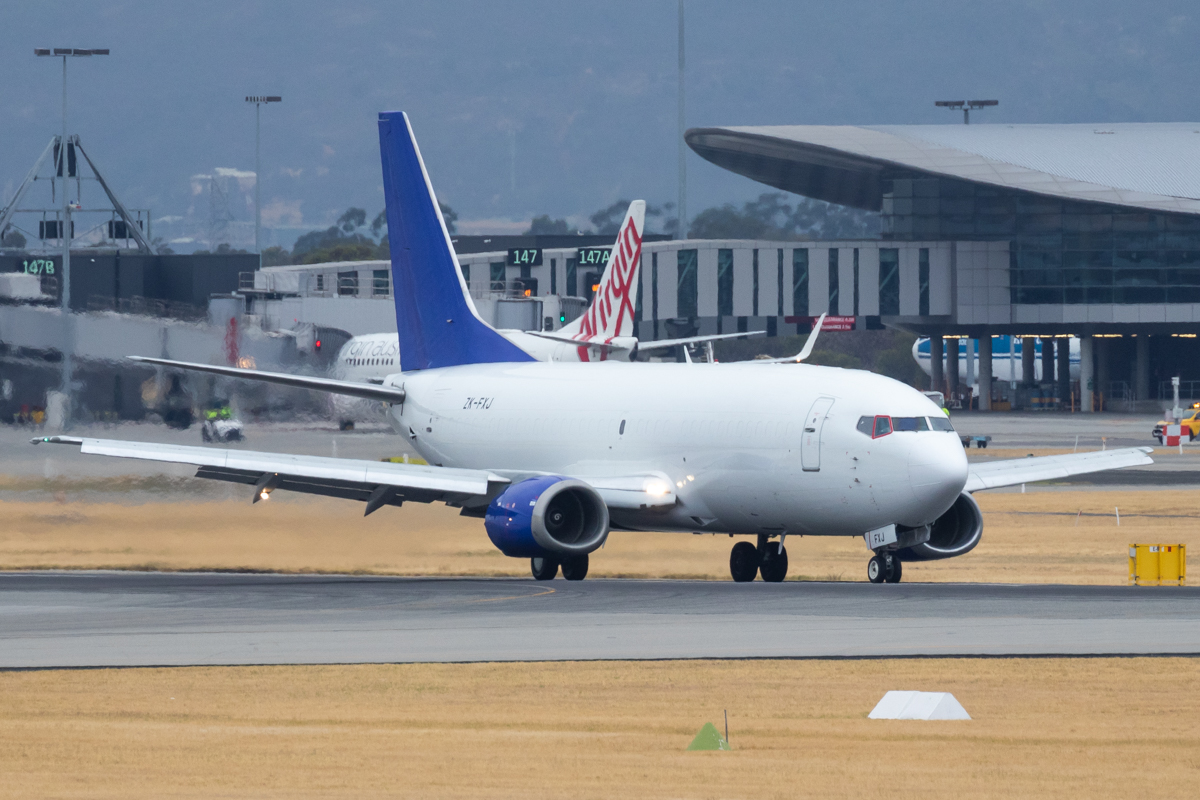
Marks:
<point>264,495</point>
<point>657,488</point>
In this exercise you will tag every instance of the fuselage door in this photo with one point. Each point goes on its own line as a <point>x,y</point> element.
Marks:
<point>810,445</point>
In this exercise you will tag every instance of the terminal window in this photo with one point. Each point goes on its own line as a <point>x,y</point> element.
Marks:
<point>654,290</point>
<point>923,282</point>
<point>889,281</point>
<point>800,282</point>
<point>553,276</point>
<point>348,283</point>
<point>381,283</point>
<point>572,281</point>
<point>833,282</point>
<point>725,283</point>
<point>497,274</point>
<point>685,284</point>
<point>754,293</point>
<point>779,283</point>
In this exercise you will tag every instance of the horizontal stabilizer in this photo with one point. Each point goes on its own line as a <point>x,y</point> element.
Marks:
<point>1013,471</point>
<point>387,394</point>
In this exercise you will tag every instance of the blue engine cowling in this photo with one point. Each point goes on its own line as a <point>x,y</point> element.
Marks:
<point>547,516</point>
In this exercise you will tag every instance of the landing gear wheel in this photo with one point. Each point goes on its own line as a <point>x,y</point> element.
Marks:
<point>544,569</point>
<point>876,570</point>
<point>575,568</point>
<point>774,563</point>
<point>894,573</point>
<point>743,562</point>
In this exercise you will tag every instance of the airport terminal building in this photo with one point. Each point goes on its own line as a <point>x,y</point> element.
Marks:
<point>1054,231</point>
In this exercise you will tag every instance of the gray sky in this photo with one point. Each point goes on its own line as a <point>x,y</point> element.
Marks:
<point>589,91</point>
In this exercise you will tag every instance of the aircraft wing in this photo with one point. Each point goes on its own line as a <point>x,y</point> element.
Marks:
<point>661,343</point>
<point>576,342</point>
<point>377,482</point>
<point>804,353</point>
<point>1012,471</point>
<point>370,391</point>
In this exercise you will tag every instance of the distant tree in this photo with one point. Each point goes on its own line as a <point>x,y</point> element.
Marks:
<point>769,217</point>
<point>544,226</point>
<point>345,231</point>
<point>13,238</point>
<point>275,256</point>
<point>223,249</point>
<point>607,221</point>
<point>349,251</point>
<point>379,224</point>
<point>450,216</point>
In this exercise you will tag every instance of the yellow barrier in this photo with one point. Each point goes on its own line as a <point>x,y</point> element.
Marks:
<point>1157,564</point>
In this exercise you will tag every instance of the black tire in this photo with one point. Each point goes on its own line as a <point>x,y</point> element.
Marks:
<point>774,566</point>
<point>896,571</point>
<point>544,569</point>
<point>203,428</point>
<point>876,570</point>
<point>743,562</point>
<point>575,568</point>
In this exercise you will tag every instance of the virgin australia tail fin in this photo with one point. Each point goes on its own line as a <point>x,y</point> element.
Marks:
<point>612,310</point>
<point>437,321</point>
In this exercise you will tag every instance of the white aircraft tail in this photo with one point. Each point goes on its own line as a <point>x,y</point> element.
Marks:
<point>611,312</point>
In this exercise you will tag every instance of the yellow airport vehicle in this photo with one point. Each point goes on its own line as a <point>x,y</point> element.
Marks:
<point>1190,424</point>
<point>1157,564</point>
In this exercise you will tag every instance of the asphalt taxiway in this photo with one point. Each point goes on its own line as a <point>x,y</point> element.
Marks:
<point>110,619</point>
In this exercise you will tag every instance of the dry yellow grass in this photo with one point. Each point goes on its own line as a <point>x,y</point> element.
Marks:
<point>1041,728</point>
<point>317,535</point>
<point>298,534</point>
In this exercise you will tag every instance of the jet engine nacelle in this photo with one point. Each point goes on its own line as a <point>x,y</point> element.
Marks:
<point>547,516</point>
<point>952,534</point>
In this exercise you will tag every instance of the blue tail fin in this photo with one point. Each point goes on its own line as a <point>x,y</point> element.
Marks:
<point>437,321</point>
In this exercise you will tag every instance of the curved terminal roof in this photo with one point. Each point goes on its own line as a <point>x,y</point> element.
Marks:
<point>1143,165</point>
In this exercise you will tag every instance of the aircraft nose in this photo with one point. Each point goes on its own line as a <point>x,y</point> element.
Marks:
<point>937,470</point>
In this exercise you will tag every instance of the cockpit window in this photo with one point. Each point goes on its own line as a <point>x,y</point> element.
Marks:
<point>909,424</point>
<point>866,425</point>
<point>941,424</point>
<point>883,426</point>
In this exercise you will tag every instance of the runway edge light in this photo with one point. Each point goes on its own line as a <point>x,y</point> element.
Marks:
<point>919,705</point>
<point>709,739</point>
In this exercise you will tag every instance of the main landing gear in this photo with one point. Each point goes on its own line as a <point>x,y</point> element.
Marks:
<point>769,559</point>
<point>884,567</point>
<point>574,568</point>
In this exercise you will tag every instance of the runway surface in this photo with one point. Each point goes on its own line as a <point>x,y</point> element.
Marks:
<point>94,619</point>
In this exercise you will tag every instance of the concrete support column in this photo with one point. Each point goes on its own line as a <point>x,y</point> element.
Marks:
<point>1087,384</point>
<point>952,364</point>
<point>1028,356</point>
<point>1064,371</point>
<point>1103,349</point>
<point>985,373</point>
<point>1047,360</point>
<point>937,362</point>
<point>1142,368</point>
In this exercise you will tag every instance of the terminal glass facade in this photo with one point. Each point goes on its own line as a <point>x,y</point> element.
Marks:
<point>1061,251</point>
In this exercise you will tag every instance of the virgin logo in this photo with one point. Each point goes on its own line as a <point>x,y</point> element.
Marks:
<point>611,311</point>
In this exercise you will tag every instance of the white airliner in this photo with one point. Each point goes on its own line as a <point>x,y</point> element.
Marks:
<point>604,331</point>
<point>746,449</point>
<point>1006,357</point>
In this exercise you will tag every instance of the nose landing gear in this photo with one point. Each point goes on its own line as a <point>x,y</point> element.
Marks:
<point>769,559</point>
<point>884,567</point>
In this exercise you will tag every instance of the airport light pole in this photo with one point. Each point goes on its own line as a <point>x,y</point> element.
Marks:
<point>682,207</point>
<point>259,101</point>
<point>64,168</point>
<point>966,106</point>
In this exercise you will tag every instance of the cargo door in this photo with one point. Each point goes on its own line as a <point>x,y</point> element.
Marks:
<point>810,444</point>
